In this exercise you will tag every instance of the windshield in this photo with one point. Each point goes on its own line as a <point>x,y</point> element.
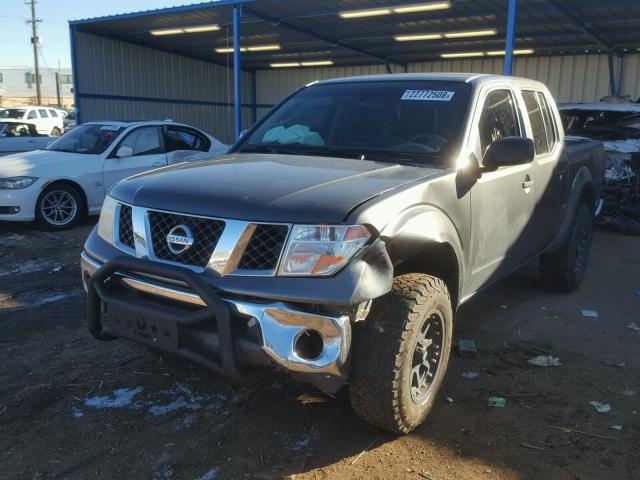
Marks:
<point>17,113</point>
<point>89,138</point>
<point>415,121</point>
<point>603,125</point>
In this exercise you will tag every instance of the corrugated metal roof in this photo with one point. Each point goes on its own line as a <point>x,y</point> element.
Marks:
<point>309,30</point>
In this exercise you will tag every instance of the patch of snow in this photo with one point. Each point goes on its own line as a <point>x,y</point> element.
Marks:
<point>77,413</point>
<point>209,475</point>
<point>122,398</point>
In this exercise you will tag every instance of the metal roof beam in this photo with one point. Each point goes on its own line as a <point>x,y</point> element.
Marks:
<point>450,13</point>
<point>323,38</point>
<point>581,24</point>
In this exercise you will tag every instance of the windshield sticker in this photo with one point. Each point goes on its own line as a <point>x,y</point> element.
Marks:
<point>428,95</point>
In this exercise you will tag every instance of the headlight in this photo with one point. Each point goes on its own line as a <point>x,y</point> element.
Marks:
<point>16,183</point>
<point>107,215</point>
<point>321,250</point>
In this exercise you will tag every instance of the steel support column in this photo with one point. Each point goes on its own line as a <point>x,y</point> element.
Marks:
<point>237,71</point>
<point>254,97</point>
<point>512,16</point>
<point>612,74</point>
<point>74,72</point>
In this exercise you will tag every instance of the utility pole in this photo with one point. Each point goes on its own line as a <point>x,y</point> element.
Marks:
<point>35,40</point>
<point>58,93</point>
<point>58,86</point>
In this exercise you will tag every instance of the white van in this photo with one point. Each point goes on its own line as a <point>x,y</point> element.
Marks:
<point>48,121</point>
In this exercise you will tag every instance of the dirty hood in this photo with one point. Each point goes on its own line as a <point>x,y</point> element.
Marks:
<point>264,187</point>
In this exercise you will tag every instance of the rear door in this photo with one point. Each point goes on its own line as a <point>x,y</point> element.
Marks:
<point>147,146</point>
<point>549,168</point>
<point>502,200</point>
<point>46,123</point>
<point>183,144</point>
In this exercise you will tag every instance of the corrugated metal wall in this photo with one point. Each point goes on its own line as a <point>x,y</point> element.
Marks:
<point>118,80</point>
<point>631,76</point>
<point>121,81</point>
<point>571,78</point>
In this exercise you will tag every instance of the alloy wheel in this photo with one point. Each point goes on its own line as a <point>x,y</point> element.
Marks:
<point>59,207</point>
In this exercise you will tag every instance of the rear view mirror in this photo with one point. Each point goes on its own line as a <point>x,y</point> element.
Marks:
<point>124,151</point>
<point>508,151</point>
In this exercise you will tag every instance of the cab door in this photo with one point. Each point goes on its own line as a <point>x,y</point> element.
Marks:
<point>140,150</point>
<point>502,200</point>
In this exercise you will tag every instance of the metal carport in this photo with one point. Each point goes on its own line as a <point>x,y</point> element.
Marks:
<point>220,65</point>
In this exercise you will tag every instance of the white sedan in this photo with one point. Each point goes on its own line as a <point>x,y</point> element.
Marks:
<point>18,136</point>
<point>69,179</point>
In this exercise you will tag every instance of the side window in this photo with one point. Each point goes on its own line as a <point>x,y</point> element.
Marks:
<point>143,141</point>
<point>53,113</point>
<point>32,115</point>
<point>537,122</point>
<point>499,118</point>
<point>43,113</point>
<point>549,122</point>
<point>185,139</point>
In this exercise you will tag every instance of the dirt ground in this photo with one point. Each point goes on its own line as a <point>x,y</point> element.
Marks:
<point>75,408</point>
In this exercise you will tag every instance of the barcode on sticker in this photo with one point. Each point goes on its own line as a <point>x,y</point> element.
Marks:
<point>429,95</point>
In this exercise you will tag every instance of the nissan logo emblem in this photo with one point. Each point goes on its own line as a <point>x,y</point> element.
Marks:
<point>179,239</point>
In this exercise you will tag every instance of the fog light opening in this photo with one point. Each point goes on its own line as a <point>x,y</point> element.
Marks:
<point>309,345</point>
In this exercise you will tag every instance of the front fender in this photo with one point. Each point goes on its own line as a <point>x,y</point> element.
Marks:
<point>414,229</point>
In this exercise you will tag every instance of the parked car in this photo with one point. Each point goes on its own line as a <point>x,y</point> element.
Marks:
<point>69,178</point>
<point>48,121</point>
<point>19,136</point>
<point>342,232</point>
<point>69,119</point>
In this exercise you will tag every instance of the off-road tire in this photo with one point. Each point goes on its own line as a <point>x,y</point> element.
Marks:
<point>81,208</point>
<point>564,269</point>
<point>383,348</point>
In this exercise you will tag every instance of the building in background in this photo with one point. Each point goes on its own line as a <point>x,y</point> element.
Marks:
<point>17,86</point>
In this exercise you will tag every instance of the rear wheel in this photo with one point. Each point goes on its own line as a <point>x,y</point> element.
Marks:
<point>59,207</point>
<point>400,353</point>
<point>564,269</point>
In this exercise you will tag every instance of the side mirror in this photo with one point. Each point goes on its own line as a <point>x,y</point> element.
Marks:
<point>508,151</point>
<point>124,151</point>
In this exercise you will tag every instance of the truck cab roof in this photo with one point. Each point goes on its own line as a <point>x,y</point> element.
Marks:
<point>471,78</point>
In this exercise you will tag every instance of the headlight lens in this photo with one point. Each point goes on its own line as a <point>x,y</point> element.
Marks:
<point>16,183</point>
<point>107,215</point>
<point>321,250</point>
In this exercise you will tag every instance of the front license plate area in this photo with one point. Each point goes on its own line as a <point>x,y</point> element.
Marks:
<point>155,329</point>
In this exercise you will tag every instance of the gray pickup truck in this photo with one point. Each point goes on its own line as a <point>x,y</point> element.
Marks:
<point>340,234</point>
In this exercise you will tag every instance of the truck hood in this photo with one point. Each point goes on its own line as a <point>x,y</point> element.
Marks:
<point>268,188</point>
<point>35,163</point>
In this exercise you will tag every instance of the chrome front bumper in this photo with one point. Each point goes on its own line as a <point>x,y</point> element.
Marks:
<point>280,324</point>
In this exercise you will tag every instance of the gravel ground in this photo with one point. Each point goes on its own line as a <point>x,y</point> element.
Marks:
<point>75,408</point>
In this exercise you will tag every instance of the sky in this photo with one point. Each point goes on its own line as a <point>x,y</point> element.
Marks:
<point>15,34</point>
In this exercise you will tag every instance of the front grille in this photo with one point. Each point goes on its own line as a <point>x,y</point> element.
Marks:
<point>125,227</point>
<point>206,233</point>
<point>263,250</point>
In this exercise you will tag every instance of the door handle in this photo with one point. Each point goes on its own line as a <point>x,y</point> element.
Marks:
<point>528,183</point>
<point>158,164</point>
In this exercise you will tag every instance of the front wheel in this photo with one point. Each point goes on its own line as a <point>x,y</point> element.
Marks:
<point>59,207</point>
<point>400,353</point>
